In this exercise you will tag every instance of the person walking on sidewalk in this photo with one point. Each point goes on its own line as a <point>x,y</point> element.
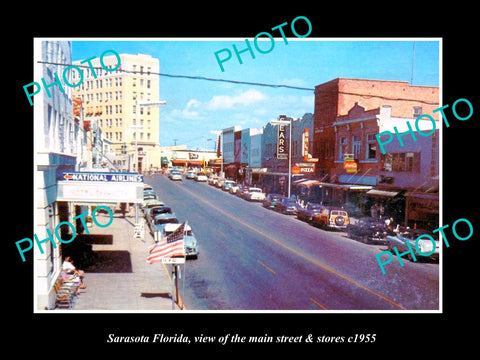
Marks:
<point>71,269</point>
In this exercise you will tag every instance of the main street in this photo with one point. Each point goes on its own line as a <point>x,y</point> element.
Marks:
<point>252,258</point>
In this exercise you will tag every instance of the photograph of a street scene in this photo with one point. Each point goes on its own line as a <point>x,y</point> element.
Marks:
<point>282,174</point>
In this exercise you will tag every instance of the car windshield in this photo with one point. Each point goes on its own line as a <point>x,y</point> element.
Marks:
<point>166,221</point>
<point>161,210</point>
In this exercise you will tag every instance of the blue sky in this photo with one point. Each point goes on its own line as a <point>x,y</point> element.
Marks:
<point>196,107</point>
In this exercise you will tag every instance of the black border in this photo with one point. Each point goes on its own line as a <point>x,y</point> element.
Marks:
<point>426,334</point>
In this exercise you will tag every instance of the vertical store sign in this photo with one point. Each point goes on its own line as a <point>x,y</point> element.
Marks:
<point>305,143</point>
<point>281,142</point>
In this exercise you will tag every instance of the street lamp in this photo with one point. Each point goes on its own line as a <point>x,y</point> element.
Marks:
<point>289,123</point>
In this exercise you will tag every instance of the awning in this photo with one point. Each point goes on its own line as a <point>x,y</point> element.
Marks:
<point>186,162</point>
<point>307,182</point>
<point>382,193</point>
<point>345,186</point>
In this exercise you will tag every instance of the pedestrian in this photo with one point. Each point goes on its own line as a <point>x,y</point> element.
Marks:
<point>72,270</point>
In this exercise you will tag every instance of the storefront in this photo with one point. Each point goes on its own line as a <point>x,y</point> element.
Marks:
<point>422,210</point>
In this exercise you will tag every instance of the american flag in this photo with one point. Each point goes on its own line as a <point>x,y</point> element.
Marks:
<point>172,246</point>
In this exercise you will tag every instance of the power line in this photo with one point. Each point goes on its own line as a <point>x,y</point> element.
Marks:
<point>188,77</point>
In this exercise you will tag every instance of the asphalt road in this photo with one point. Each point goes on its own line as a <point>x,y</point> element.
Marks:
<point>252,258</point>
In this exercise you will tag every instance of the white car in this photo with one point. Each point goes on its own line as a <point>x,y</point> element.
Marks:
<point>200,176</point>
<point>254,194</point>
<point>175,175</point>
<point>189,240</point>
<point>425,245</point>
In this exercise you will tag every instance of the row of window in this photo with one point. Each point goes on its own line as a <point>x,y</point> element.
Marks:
<point>400,162</point>
<point>118,136</point>
<point>108,123</point>
<point>112,95</point>
<point>107,83</point>
<point>355,149</point>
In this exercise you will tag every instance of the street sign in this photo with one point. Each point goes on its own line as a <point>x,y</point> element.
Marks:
<point>179,260</point>
<point>103,177</point>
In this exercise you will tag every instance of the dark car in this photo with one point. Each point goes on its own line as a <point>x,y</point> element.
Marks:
<point>271,199</point>
<point>368,230</point>
<point>307,213</point>
<point>286,206</point>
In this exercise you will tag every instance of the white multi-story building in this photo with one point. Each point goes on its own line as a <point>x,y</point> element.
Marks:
<point>59,145</point>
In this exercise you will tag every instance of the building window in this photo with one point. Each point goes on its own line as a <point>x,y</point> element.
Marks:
<point>417,111</point>
<point>356,146</point>
<point>342,150</point>
<point>371,147</point>
<point>401,162</point>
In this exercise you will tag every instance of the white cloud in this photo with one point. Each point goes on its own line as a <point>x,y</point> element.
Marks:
<point>227,102</point>
<point>188,112</point>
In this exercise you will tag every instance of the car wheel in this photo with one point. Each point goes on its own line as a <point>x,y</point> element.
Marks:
<point>339,220</point>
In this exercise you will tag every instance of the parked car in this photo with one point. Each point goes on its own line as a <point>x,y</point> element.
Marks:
<point>149,195</point>
<point>254,194</point>
<point>425,245</point>
<point>227,184</point>
<point>147,187</point>
<point>368,230</point>
<point>200,176</point>
<point>332,217</point>
<point>148,204</point>
<point>271,199</point>
<point>157,224</point>
<point>220,182</point>
<point>233,189</point>
<point>175,175</point>
<point>189,239</point>
<point>242,189</point>
<point>157,210</point>
<point>286,206</point>
<point>307,213</point>
<point>212,180</point>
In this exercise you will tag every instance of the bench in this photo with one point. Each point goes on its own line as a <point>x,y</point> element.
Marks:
<point>65,293</point>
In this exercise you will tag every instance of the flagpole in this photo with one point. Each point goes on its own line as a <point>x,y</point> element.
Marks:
<point>173,287</point>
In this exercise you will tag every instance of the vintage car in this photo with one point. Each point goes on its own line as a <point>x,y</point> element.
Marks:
<point>233,189</point>
<point>189,240</point>
<point>149,195</point>
<point>158,210</point>
<point>227,184</point>
<point>201,177</point>
<point>213,179</point>
<point>175,175</point>
<point>425,245</point>
<point>286,206</point>
<point>307,213</point>
<point>331,217</point>
<point>190,174</point>
<point>369,230</point>
<point>271,199</point>
<point>148,204</point>
<point>158,223</point>
<point>254,194</point>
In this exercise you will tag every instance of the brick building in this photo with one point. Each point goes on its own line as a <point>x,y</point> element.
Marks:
<point>354,172</point>
<point>338,96</point>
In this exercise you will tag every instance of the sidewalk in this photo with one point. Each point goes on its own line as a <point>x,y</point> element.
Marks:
<point>121,279</point>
